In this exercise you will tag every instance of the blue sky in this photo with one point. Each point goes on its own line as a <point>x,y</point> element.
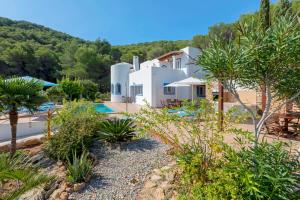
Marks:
<point>128,21</point>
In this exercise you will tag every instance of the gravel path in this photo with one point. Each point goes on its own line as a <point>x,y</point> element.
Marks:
<point>120,173</point>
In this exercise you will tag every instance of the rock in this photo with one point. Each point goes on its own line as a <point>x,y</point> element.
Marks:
<point>155,177</point>
<point>88,178</point>
<point>29,142</point>
<point>165,185</point>
<point>50,189</point>
<point>64,196</point>
<point>78,186</point>
<point>34,194</point>
<point>165,168</point>
<point>170,176</point>
<point>56,194</point>
<point>159,194</point>
<point>59,163</point>
<point>150,184</point>
<point>37,158</point>
<point>157,171</point>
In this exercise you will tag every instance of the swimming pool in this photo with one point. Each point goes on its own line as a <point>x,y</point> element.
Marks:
<point>100,107</point>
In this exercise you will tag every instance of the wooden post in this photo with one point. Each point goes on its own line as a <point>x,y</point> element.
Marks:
<point>221,105</point>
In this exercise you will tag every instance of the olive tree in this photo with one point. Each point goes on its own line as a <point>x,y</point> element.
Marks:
<point>259,58</point>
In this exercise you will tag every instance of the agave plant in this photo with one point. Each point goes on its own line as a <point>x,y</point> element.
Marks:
<point>79,168</point>
<point>117,130</point>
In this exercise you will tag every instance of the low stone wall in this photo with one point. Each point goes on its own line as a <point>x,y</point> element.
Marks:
<point>23,129</point>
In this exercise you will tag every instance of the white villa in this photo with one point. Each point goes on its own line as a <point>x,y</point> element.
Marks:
<point>144,82</point>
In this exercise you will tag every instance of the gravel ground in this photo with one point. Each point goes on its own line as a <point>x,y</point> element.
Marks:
<point>120,172</point>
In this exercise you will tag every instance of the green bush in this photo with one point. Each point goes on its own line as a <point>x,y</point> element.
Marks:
<point>72,88</point>
<point>56,94</point>
<point>211,169</point>
<point>89,89</point>
<point>116,130</point>
<point>78,123</point>
<point>267,171</point>
<point>102,96</point>
<point>79,168</point>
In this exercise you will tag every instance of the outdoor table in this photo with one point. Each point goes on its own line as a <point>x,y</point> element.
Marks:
<point>288,117</point>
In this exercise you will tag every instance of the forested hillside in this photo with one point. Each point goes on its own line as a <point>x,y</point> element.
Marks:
<point>30,49</point>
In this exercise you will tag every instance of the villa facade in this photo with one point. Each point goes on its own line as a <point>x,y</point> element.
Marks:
<point>142,83</point>
<point>145,82</point>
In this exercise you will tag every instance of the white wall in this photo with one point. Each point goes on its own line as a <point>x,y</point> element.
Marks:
<point>23,129</point>
<point>120,74</point>
<point>167,75</point>
<point>142,77</point>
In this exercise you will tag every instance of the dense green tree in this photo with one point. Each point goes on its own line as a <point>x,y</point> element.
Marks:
<point>72,88</point>
<point>89,89</point>
<point>116,54</point>
<point>48,67</point>
<point>264,13</point>
<point>200,41</point>
<point>102,46</point>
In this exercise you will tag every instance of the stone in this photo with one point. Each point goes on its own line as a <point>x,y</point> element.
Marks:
<point>165,168</point>
<point>56,194</point>
<point>37,158</point>
<point>165,185</point>
<point>170,176</point>
<point>59,163</point>
<point>78,186</point>
<point>155,177</point>
<point>50,189</point>
<point>64,196</point>
<point>159,194</point>
<point>150,184</point>
<point>88,178</point>
<point>157,171</point>
<point>34,194</point>
<point>29,142</point>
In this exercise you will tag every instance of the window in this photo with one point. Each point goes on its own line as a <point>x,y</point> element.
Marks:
<point>118,89</point>
<point>112,89</point>
<point>169,90</point>
<point>137,90</point>
<point>201,91</point>
<point>178,63</point>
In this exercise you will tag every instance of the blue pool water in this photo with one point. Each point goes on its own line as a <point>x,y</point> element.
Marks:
<point>100,107</point>
<point>181,112</point>
<point>42,108</point>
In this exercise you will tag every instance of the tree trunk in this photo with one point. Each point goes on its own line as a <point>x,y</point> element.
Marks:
<point>13,119</point>
<point>221,105</point>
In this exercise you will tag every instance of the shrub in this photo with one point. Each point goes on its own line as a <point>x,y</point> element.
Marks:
<point>211,169</point>
<point>116,130</point>
<point>72,88</point>
<point>78,123</point>
<point>266,171</point>
<point>56,94</point>
<point>79,168</point>
<point>197,141</point>
<point>76,109</point>
<point>89,89</point>
<point>102,96</point>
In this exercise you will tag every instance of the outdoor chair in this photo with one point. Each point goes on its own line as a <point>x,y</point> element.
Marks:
<point>273,125</point>
<point>163,103</point>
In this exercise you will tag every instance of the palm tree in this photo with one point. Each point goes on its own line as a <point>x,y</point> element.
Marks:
<point>16,93</point>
